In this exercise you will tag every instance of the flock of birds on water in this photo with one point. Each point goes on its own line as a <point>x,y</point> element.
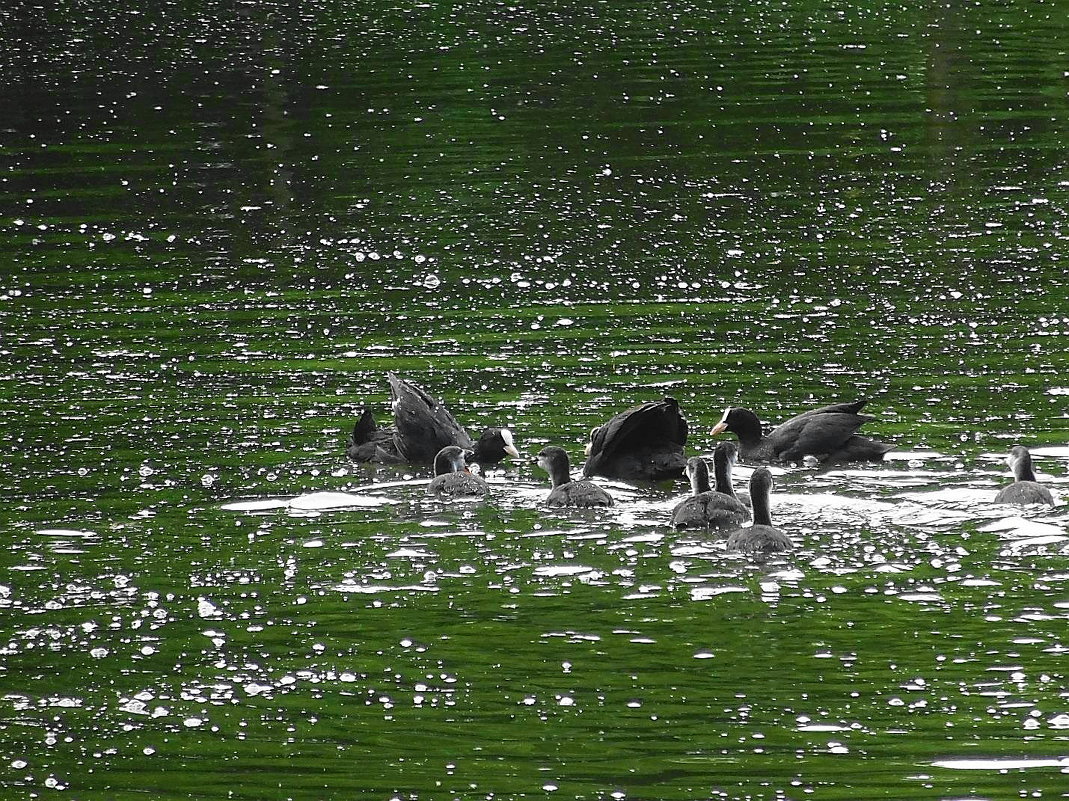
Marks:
<point>646,443</point>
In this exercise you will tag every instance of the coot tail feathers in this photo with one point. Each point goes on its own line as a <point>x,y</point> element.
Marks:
<point>422,423</point>
<point>369,443</point>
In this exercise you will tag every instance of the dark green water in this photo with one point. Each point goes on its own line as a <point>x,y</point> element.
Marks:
<point>223,223</point>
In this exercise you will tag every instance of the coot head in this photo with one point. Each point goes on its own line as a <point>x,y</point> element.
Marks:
<point>727,452</point>
<point>590,440</point>
<point>741,422</point>
<point>494,445</point>
<point>554,461</point>
<point>761,482</point>
<point>451,459</point>
<point>698,474</point>
<point>1020,463</point>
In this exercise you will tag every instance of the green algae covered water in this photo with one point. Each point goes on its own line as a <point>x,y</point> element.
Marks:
<point>222,225</point>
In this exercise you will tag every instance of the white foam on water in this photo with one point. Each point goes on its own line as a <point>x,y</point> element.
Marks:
<point>309,502</point>
<point>1001,763</point>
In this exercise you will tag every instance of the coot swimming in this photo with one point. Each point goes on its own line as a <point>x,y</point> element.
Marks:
<point>708,508</point>
<point>762,536</point>
<point>566,492</point>
<point>827,434</point>
<point>451,476</point>
<point>1025,489</point>
<point>422,427</point>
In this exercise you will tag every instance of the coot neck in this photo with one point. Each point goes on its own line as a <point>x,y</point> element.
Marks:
<point>699,479</point>
<point>558,472</point>
<point>1022,468</point>
<point>444,463</point>
<point>747,428</point>
<point>761,511</point>
<point>722,469</point>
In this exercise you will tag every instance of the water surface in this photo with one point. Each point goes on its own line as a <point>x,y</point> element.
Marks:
<point>222,227</point>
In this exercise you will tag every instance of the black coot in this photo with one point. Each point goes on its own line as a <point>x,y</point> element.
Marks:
<point>1025,489</point>
<point>708,508</point>
<point>451,476</point>
<point>643,443</point>
<point>566,492</point>
<point>762,536</point>
<point>369,443</point>
<point>827,434</point>
<point>422,424</point>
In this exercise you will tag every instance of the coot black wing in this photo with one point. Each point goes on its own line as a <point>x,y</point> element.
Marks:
<point>854,407</point>
<point>642,442</point>
<point>818,434</point>
<point>861,449</point>
<point>423,426</point>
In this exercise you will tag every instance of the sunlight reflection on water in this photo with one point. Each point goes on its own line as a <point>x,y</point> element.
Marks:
<point>1003,763</point>
<point>556,212</point>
